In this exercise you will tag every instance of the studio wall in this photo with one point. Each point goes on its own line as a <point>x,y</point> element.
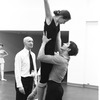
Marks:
<point>13,43</point>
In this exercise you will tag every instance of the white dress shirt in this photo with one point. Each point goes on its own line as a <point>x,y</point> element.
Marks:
<point>22,66</point>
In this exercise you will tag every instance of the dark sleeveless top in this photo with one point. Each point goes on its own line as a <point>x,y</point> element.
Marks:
<point>52,31</point>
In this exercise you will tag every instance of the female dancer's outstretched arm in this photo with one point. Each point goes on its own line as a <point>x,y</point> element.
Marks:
<point>48,15</point>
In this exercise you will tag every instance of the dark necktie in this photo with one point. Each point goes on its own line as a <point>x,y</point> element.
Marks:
<point>31,62</point>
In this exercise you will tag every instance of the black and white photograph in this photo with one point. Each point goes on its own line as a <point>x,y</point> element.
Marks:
<point>49,49</point>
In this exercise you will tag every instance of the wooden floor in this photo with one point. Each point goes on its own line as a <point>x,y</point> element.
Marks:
<point>7,91</point>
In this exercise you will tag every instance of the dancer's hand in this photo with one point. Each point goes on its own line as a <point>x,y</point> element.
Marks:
<point>44,38</point>
<point>30,96</point>
<point>21,89</point>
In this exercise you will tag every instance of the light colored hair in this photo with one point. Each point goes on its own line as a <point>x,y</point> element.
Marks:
<point>27,38</point>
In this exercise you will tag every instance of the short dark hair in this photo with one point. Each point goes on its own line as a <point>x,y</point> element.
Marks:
<point>64,13</point>
<point>74,49</point>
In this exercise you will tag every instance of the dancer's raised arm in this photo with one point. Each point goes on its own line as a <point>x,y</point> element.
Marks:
<point>48,14</point>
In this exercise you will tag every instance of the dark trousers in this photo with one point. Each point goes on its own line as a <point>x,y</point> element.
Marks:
<point>54,91</point>
<point>28,85</point>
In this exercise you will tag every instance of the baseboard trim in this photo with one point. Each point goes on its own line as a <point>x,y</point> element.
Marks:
<point>9,72</point>
<point>82,85</point>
